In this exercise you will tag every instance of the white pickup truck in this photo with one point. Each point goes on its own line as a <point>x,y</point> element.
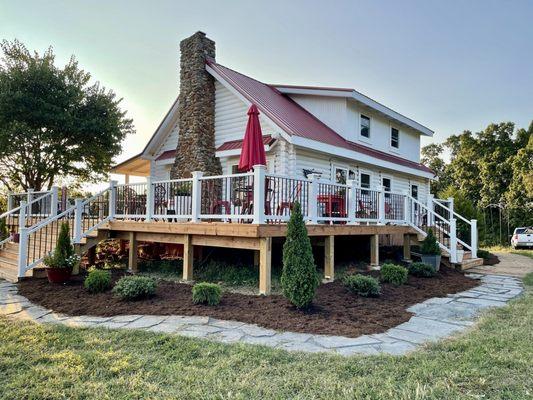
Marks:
<point>522,237</point>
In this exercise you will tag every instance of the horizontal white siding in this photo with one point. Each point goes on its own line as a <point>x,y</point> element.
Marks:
<point>329,110</point>
<point>324,164</point>
<point>231,117</point>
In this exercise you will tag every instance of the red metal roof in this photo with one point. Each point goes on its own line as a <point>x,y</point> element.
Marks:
<point>166,155</point>
<point>294,119</point>
<point>237,144</point>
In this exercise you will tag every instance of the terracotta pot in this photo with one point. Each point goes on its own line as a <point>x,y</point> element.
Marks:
<point>58,275</point>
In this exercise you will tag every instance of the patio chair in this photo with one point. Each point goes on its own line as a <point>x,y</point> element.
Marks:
<point>289,205</point>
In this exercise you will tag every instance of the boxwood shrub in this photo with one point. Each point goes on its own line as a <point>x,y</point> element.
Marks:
<point>97,281</point>
<point>135,287</point>
<point>422,270</point>
<point>362,285</point>
<point>206,293</point>
<point>395,274</point>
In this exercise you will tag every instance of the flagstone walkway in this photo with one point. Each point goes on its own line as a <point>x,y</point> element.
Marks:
<point>434,319</point>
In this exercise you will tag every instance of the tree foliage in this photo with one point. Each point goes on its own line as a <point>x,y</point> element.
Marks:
<point>489,174</point>
<point>53,122</point>
<point>299,278</point>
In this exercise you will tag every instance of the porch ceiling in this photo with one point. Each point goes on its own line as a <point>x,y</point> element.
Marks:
<point>135,166</point>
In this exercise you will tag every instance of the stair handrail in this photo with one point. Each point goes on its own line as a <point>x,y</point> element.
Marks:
<point>26,206</point>
<point>451,223</point>
<point>473,228</point>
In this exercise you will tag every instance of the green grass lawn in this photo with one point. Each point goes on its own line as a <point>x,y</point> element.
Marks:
<point>492,361</point>
<point>503,249</point>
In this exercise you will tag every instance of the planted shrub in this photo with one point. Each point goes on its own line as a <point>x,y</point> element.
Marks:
<point>362,285</point>
<point>298,279</point>
<point>97,281</point>
<point>395,274</point>
<point>206,293</point>
<point>135,287</point>
<point>422,270</point>
<point>430,246</point>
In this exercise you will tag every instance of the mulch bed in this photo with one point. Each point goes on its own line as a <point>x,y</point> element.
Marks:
<point>335,310</point>
<point>491,260</point>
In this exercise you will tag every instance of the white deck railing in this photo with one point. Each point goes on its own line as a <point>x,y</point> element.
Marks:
<point>257,197</point>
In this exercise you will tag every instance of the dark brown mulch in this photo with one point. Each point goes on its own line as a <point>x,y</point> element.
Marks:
<point>335,310</point>
<point>492,259</point>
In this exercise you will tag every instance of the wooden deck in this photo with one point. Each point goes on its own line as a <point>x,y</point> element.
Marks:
<point>245,236</point>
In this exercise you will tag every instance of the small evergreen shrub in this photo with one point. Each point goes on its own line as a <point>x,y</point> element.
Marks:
<point>299,279</point>
<point>63,255</point>
<point>430,247</point>
<point>135,287</point>
<point>422,270</point>
<point>362,285</point>
<point>395,274</point>
<point>97,281</point>
<point>206,293</point>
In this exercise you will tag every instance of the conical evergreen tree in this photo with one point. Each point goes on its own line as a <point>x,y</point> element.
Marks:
<point>64,247</point>
<point>299,279</point>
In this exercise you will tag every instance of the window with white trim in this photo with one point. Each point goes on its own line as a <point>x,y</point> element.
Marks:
<point>364,180</point>
<point>341,175</point>
<point>414,191</point>
<point>394,138</point>
<point>364,129</point>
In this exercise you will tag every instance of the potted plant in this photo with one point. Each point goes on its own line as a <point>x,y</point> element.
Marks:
<point>62,260</point>
<point>183,199</point>
<point>430,251</point>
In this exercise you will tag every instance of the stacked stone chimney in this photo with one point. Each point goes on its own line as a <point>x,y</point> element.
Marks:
<point>196,108</point>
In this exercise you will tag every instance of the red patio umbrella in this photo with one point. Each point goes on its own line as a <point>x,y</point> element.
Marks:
<point>253,150</point>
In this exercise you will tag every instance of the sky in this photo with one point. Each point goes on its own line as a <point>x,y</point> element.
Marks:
<point>450,65</point>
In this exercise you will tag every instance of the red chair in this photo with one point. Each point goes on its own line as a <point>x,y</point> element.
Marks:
<point>284,205</point>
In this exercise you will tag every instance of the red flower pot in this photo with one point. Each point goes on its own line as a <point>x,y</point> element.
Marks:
<point>58,275</point>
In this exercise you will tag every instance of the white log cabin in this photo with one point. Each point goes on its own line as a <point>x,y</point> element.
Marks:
<point>353,164</point>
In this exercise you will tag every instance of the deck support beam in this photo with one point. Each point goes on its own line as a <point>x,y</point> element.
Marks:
<point>133,253</point>
<point>406,247</point>
<point>265,265</point>
<point>188,258</point>
<point>374,250</point>
<point>329,258</point>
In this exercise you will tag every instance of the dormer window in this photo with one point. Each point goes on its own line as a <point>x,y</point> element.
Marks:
<point>365,126</point>
<point>395,138</point>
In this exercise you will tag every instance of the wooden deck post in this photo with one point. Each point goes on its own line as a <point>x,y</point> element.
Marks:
<point>374,250</point>
<point>132,257</point>
<point>265,265</point>
<point>256,258</point>
<point>329,258</point>
<point>406,247</point>
<point>188,259</point>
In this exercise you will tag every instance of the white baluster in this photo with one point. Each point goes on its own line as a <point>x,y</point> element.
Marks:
<point>10,201</point>
<point>259,194</point>
<point>453,241</point>
<point>381,205</point>
<point>112,199</point>
<point>312,204</point>
<point>150,199</point>
<point>78,215</point>
<point>196,195</point>
<point>431,210</point>
<point>352,200</point>
<point>23,241</point>
<point>55,201</point>
<point>406,207</point>
<point>473,237</point>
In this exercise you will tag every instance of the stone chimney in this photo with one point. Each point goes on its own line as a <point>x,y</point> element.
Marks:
<point>196,108</point>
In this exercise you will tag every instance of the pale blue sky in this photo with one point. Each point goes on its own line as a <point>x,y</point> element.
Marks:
<point>450,65</point>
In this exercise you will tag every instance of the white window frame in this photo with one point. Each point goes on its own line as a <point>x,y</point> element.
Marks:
<point>389,177</point>
<point>417,190</point>
<point>334,169</point>
<point>394,149</point>
<point>366,172</point>
<point>361,137</point>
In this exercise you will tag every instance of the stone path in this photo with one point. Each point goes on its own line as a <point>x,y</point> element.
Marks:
<point>510,264</point>
<point>434,319</point>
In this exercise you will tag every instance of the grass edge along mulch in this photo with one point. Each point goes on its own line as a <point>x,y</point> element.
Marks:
<point>491,360</point>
